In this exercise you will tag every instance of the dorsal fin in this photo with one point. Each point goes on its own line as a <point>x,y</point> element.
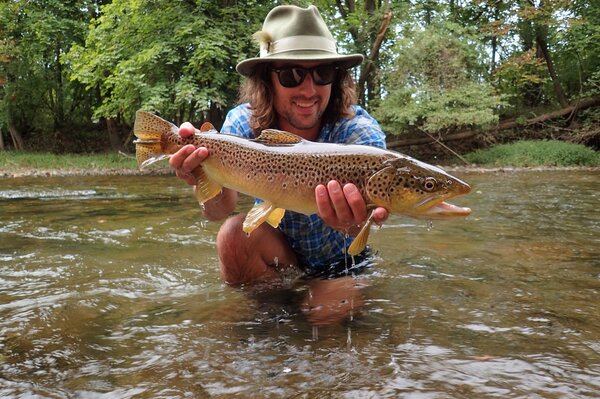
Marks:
<point>207,127</point>
<point>278,137</point>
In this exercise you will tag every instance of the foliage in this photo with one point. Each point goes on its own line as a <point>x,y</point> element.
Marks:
<point>35,94</point>
<point>87,65</point>
<point>519,75</point>
<point>578,47</point>
<point>436,84</point>
<point>174,57</point>
<point>536,153</point>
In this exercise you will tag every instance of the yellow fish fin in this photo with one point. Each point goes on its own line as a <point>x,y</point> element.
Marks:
<point>278,137</point>
<point>275,217</point>
<point>205,187</point>
<point>207,127</point>
<point>151,159</point>
<point>150,131</point>
<point>260,213</point>
<point>360,241</point>
<point>148,127</point>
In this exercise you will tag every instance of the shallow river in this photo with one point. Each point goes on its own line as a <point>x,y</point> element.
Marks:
<point>109,288</point>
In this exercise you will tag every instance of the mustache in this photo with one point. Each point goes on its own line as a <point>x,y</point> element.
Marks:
<point>315,98</point>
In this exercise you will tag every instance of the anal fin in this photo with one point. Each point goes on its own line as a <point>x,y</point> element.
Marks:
<point>262,212</point>
<point>360,241</point>
<point>205,187</point>
<point>275,217</point>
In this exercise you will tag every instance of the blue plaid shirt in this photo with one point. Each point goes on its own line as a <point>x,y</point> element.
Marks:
<point>316,244</point>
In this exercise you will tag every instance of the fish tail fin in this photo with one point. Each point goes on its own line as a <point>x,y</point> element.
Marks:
<point>151,131</point>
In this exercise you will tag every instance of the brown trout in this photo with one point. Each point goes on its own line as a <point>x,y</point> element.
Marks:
<point>283,170</point>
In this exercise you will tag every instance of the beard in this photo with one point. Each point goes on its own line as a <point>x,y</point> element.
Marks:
<point>301,120</point>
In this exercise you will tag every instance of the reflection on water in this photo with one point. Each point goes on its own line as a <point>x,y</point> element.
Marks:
<point>109,288</point>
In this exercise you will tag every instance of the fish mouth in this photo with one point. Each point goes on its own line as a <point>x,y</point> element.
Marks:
<point>437,208</point>
<point>446,210</point>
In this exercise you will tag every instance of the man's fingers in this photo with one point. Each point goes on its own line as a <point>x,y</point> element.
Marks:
<point>176,160</point>
<point>186,160</point>
<point>340,204</point>
<point>324,207</point>
<point>356,202</point>
<point>186,129</point>
<point>380,215</point>
<point>194,159</point>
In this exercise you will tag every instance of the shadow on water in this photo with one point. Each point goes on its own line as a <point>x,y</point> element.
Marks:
<point>109,288</point>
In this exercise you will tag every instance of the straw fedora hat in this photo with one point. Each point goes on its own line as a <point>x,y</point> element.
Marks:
<point>291,33</point>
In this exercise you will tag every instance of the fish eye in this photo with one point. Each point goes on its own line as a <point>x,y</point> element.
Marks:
<point>429,184</point>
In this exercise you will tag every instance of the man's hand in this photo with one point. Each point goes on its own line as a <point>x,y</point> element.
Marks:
<point>343,208</point>
<point>188,157</point>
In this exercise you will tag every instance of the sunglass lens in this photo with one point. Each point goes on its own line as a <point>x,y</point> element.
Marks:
<point>294,76</point>
<point>291,77</point>
<point>324,74</point>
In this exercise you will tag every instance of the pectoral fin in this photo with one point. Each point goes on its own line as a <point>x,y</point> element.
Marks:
<point>205,187</point>
<point>262,212</point>
<point>360,241</point>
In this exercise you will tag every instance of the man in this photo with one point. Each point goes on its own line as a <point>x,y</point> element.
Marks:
<point>300,84</point>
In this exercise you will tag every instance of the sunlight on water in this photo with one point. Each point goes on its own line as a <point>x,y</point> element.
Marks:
<point>109,287</point>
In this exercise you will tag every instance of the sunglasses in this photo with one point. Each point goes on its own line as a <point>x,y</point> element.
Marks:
<point>293,76</point>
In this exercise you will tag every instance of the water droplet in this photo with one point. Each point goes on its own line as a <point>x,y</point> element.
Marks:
<point>349,339</point>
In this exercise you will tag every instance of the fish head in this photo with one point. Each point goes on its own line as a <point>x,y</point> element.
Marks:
<point>410,187</point>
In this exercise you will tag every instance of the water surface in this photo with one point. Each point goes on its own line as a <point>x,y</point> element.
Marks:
<point>109,288</point>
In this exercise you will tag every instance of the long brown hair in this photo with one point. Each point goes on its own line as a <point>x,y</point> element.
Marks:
<point>257,90</point>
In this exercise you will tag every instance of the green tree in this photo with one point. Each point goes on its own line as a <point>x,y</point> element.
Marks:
<point>177,58</point>
<point>437,83</point>
<point>36,97</point>
<point>364,27</point>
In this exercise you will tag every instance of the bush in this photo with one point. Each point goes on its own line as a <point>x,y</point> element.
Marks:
<point>536,153</point>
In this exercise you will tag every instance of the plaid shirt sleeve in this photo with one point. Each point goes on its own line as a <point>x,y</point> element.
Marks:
<point>316,244</point>
<point>237,122</point>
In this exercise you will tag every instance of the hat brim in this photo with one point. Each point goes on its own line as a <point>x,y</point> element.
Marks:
<point>348,61</point>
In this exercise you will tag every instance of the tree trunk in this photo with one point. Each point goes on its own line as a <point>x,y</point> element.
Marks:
<point>113,134</point>
<point>59,112</point>
<point>368,69</point>
<point>1,140</point>
<point>16,137</point>
<point>540,38</point>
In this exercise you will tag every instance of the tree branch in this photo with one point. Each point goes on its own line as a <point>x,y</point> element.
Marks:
<point>374,54</point>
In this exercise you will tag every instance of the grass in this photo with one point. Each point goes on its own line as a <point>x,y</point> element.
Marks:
<point>536,153</point>
<point>17,160</point>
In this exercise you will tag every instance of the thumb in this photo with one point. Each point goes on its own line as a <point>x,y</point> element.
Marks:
<point>186,129</point>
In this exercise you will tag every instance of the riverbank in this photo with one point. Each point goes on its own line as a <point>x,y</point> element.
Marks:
<point>29,172</point>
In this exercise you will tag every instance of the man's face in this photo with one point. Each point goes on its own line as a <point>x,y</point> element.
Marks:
<point>300,109</point>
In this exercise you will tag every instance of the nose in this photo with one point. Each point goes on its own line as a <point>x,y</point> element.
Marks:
<point>307,87</point>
